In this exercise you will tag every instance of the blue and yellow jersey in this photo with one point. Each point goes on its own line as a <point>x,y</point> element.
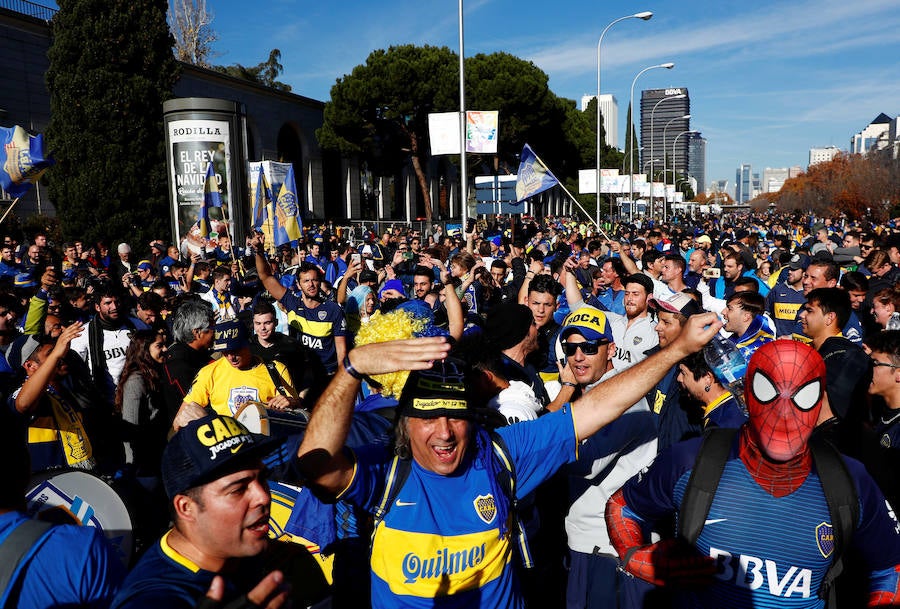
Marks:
<point>439,542</point>
<point>316,328</point>
<point>783,303</point>
<point>757,335</point>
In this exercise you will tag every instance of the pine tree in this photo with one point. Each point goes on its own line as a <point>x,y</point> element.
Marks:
<point>111,68</point>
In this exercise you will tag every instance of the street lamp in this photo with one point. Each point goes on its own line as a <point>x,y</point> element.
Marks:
<point>675,141</point>
<point>668,66</point>
<point>644,16</point>
<point>665,164</point>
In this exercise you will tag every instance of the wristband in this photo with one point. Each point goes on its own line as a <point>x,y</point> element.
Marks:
<point>567,384</point>
<point>349,369</point>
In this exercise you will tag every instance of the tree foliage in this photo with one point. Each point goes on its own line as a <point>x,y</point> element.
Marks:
<point>111,68</point>
<point>265,73</point>
<point>856,185</point>
<point>191,26</point>
<point>380,110</point>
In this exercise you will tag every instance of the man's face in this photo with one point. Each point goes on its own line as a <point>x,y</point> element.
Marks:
<point>814,277</point>
<point>587,368</point>
<point>697,261</point>
<point>264,325</point>
<point>668,327</point>
<point>415,244</point>
<point>52,326</point>
<point>309,283</point>
<point>607,274</point>
<point>222,283</point>
<point>884,378</point>
<point>43,352</point>
<point>438,445</point>
<point>6,253</point>
<point>850,241</point>
<point>239,358</point>
<point>8,319</point>
<point>795,276</point>
<point>812,320</point>
<point>670,272</point>
<point>233,516</point>
<point>882,312</point>
<point>108,308</point>
<point>542,305</point>
<point>731,269</point>
<point>685,378</point>
<point>635,300</point>
<point>499,275</point>
<point>41,241</point>
<point>314,250</point>
<point>856,298</point>
<point>125,256</point>
<point>584,261</point>
<point>148,316</point>
<point>205,338</point>
<point>177,272</point>
<point>34,253</point>
<point>71,253</point>
<point>144,274</point>
<point>735,318</point>
<point>894,254</point>
<point>421,285</point>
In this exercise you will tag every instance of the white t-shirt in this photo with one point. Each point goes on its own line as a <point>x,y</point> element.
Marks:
<point>631,340</point>
<point>517,403</point>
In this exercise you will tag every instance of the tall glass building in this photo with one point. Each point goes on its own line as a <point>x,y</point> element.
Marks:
<point>660,107</point>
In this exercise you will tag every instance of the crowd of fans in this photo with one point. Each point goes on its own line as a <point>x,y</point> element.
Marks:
<point>570,353</point>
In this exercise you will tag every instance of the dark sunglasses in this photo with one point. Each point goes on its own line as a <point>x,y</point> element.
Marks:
<point>588,347</point>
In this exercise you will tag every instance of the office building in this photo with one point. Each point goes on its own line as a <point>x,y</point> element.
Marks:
<point>873,137</point>
<point>743,184</point>
<point>822,155</point>
<point>697,160</point>
<point>657,111</point>
<point>794,172</point>
<point>609,108</point>
<point>774,178</point>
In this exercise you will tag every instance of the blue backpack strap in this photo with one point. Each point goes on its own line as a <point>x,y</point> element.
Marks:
<point>509,486</point>
<point>15,550</point>
<point>397,474</point>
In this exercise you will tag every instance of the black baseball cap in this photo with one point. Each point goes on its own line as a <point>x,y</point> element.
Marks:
<point>439,391</point>
<point>208,448</point>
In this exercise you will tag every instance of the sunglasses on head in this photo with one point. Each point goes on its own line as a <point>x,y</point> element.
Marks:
<point>588,347</point>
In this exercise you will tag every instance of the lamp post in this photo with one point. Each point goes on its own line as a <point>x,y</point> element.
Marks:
<point>653,131</point>
<point>665,163</point>
<point>675,141</point>
<point>644,16</point>
<point>668,66</point>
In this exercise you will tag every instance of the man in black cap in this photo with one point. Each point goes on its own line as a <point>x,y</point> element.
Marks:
<point>511,331</point>
<point>446,531</point>
<point>219,545</point>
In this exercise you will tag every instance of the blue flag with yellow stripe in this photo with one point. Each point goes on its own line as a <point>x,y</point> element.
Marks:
<point>533,177</point>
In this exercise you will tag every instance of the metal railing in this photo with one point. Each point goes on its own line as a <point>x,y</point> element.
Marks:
<point>24,7</point>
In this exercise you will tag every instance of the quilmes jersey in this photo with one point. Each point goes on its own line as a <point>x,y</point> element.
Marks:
<point>316,327</point>
<point>438,545</point>
<point>769,551</point>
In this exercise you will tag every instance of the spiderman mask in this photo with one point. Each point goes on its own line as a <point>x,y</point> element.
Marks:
<point>785,384</point>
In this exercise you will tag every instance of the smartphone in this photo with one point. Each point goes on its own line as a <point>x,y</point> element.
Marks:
<point>355,258</point>
<point>712,273</point>
<point>408,255</point>
<point>470,225</point>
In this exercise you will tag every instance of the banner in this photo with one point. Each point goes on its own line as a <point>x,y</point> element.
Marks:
<point>481,132</point>
<point>262,198</point>
<point>22,160</point>
<point>533,176</point>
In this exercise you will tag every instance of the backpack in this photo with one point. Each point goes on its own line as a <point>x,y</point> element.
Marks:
<point>398,472</point>
<point>837,486</point>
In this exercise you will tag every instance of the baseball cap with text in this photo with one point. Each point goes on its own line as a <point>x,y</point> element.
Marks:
<point>209,448</point>
<point>588,321</point>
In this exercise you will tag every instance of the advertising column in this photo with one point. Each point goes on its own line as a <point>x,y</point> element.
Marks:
<point>200,132</point>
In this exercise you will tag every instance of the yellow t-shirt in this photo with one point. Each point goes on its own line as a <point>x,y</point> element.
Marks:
<point>226,388</point>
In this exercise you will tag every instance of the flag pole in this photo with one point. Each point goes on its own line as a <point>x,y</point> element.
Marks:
<point>566,190</point>
<point>13,204</point>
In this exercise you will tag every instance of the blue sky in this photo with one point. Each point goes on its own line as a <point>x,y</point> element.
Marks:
<point>767,80</point>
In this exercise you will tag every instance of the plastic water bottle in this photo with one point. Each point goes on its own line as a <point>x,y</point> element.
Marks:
<point>728,366</point>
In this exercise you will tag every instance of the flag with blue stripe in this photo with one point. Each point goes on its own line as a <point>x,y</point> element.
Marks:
<point>533,177</point>
<point>211,195</point>
<point>261,200</point>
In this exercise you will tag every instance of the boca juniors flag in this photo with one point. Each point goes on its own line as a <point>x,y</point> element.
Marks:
<point>533,176</point>
<point>286,225</point>
<point>22,160</point>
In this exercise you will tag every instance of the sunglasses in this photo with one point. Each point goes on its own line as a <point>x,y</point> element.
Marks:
<point>588,347</point>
